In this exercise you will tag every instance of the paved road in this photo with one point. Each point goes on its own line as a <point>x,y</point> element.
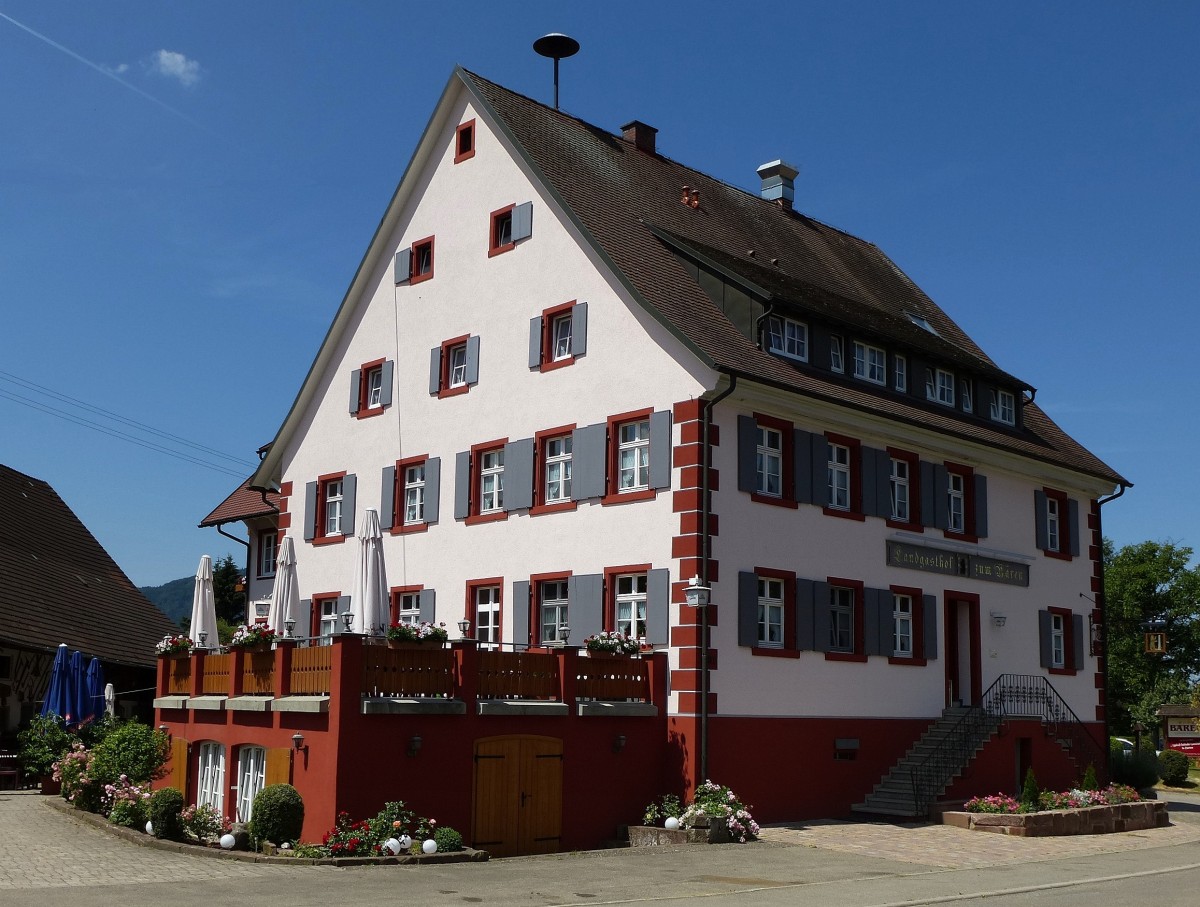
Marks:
<point>49,859</point>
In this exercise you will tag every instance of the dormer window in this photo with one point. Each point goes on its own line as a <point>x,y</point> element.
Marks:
<point>870,363</point>
<point>900,369</point>
<point>1004,407</point>
<point>968,396</point>
<point>919,321</point>
<point>836,358</point>
<point>786,337</point>
<point>939,386</point>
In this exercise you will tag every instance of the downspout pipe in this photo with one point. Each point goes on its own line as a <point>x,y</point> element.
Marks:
<point>705,543</point>
<point>1100,502</point>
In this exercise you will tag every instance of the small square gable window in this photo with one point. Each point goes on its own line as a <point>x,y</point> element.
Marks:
<point>464,142</point>
<point>414,264</point>
<point>509,226</point>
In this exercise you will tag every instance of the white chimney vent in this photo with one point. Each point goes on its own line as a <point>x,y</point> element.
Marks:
<point>778,183</point>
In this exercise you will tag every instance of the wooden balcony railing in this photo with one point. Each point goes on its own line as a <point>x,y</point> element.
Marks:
<point>258,674</point>
<point>518,675</point>
<point>179,677</point>
<point>408,672</point>
<point>612,677</point>
<point>215,679</point>
<point>311,670</point>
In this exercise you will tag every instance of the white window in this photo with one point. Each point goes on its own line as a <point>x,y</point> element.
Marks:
<point>558,470</point>
<point>870,363</point>
<point>561,331</point>
<point>457,371</point>
<point>899,490</point>
<point>210,789</point>
<point>414,493</point>
<point>333,507</point>
<point>770,613</point>
<point>554,601</point>
<point>491,481</point>
<point>408,608</point>
<point>328,619</point>
<point>631,605</point>
<point>1058,641</point>
<point>956,503</point>
<point>375,388</point>
<point>1004,407</point>
<point>1052,524</point>
<point>633,456</point>
<point>841,619</point>
<point>968,397</point>
<point>487,616</point>
<point>770,462</point>
<point>902,614</point>
<point>788,338</point>
<point>940,387</point>
<point>839,477</point>
<point>252,777</point>
<point>901,369</point>
<point>268,543</point>
<point>836,361</point>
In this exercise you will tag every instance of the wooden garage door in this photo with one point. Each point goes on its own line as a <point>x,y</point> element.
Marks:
<point>518,795</point>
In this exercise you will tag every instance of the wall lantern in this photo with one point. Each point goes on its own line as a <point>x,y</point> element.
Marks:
<point>290,625</point>
<point>298,742</point>
<point>564,633</point>
<point>414,745</point>
<point>464,627</point>
<point>1156,643</point>
<point>695,594</point>
<point>999,619</point>
<point>347,620</point>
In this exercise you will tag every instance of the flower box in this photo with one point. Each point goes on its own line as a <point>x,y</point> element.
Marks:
<point>415,644</point>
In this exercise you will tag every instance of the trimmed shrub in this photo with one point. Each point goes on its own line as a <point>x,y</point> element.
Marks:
<point>278,814</point>
<point>165,808</point>
<point>128,814</point>
<point>1089,781</point>
<point>132,749</point>
<point>1030,792</point>
<point>448,840</point>
<point>1137,769</point>
<point>1173,766</point>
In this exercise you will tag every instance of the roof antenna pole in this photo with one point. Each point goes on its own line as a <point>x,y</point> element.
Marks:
<point>559,47</point>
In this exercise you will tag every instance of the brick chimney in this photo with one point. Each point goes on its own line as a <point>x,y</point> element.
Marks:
<point>778,183</point>
<point>641,135</point>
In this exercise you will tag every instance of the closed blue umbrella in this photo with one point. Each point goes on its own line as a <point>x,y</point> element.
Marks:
<point>76,690</point>
<point>55,702</point>
<point>94,704</point>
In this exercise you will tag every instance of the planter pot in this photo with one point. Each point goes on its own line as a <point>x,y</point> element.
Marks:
<point>410,644</point>
<point>257,649</point>
<point>175,656</point>
<point>718,832</point>
<point>50,786</point>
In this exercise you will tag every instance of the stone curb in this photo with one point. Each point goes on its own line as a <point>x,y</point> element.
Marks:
<point>1090,820</point>
<point>466,855</point>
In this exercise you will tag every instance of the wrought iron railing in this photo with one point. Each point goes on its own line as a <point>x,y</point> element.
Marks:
<point>1011,696</point>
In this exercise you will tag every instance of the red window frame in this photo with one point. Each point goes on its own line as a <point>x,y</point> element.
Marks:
<point>787,483</point>
<point>417,277</point>
<point>914,490</point>
<point>399,527</point>
<point>365,412</point>
<point>613,494</point>
<point>444,388</point>
<point>259,559</point>
<point>1063,552</point>
<point>319,536</point>
<point>859,589</point>
<point>1069,668</point>
<point>465,130</point>
<point>548,362</point>
<point>968,477</point>
<point>789,614</point>
<point>394,594</point>
<point>539,472</point>
<point>474,502</point>
<point>918,658</point>
<point>535,602</point>
<point>314,627</point>
<point>494,220</point>
<point>470,607</point>
<point>856,509</point>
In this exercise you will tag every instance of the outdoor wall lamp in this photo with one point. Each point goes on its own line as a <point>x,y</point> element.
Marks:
<point>298,742</point>
<point>414,745</point>
<point>564,633</point>
<point>695,594</point>
<point>203,637</point>
<point>166,730</point>
<point>464,627</point>
<point>347,620</point>
<point>290,624</point>
<point>998,619</point>
<point>618,743</point>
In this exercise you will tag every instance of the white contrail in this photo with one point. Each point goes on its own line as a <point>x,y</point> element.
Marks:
<point>98,68</point>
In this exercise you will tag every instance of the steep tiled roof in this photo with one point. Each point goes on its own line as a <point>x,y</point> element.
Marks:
<point>242,504</point>
<point>61,586</point>
<point>628,202</point>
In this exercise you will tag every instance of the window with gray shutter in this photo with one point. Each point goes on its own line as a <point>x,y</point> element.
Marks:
<point>981,506</point>
<point>433,488</point>
<point>462,484</point>
<point>802,467</point>
<point>585,605</point>
<point>1045,642</point>
<point>821,617</point>
<point>472,376</point>
<point>747,446</point>
<point>1073,530</point>
<point>658,607</point>
<point>385,395</point>
<point>535,342</point>
<point>522,221</point>
<point>579,314</point>
<point>588,461</point>
<point>876,482</point>
<point>310,511</point>
<point>878,622</point>
<point>805,590</point>
<point>941,493</point>
<point>518,474</point>
<point>387,498</point>
<point>747,609</point>
<point>520,613</point>
<point>929,625</point>
<point>1077,641</point>
<point>819,481</point>
<point>428,604</point>
<point>435,370</point>
<point>355,390</point>
<point>660,450</point>
<point>929,500</point>
<point>402,268</point>
<point>349,493</point>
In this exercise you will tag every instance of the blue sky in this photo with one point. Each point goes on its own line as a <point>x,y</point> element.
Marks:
<point>187,188</point>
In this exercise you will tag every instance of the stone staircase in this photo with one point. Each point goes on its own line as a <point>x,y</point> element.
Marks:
<point>893,796</point>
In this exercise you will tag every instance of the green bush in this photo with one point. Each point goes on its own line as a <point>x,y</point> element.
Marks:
<point>448,840</point>
<point>393,821</point>
<point>278,814</point>
<point>1137,769</point>
<point>1089,781</point>
<point>1030,792</point>
<point>130,748</point>
<point>1173,766</point>
<point>43,743</point>
<point>165,808</point>
<point>129,814</point>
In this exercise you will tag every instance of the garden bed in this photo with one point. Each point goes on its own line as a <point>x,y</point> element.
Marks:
<point>1088,820</point>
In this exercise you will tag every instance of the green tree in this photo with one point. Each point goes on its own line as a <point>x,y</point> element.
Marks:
<point>229,590</point>
<point>1150,581</point>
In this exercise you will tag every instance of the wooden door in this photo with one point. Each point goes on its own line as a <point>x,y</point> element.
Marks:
<point>518,795</point>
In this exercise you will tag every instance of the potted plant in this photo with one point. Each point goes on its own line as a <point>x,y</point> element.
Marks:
<point>253,638</point>
<point>401,635</point>
<point>42,744</point>
<point>178,646</point>
<point>611,643</point>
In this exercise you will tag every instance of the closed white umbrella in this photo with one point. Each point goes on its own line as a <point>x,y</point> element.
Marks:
<point>368,599</point>
<point>285,597</point>
<point>204,607</point>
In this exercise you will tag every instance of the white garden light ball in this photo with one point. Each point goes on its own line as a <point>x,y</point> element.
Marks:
<point>672,824</point>
<point>405,842</point>
<point>227,841</point>
<point>430,846</point>
<point>149,828</point>
<point>391,846</point>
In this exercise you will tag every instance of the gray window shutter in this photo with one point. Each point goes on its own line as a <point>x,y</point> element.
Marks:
<point>1077,641</point>
<point>385,396</point>
<point>821,617</point>
<point>518,474</point>
<point>883,484</point>
<point>472,375</point>
<point>427,600</point>
<point>435,370</point>
<point>535,342</point>
<point>868,480</point>
<point>981,506</point>
<point>805,589</point>
<point>349,502</point>
<point>588,461</point>
<point>660,449</point>
<point>462,484</point>
<point>941,494</point>
<point>820,470</point>
<point>1040,513</point>
<point>747,609</point>
<point>522,221</point>
<point>304,620</point>
<point>1073,531</point>
<point>747,447</point>
<point>433,488</point>
<point>520,613</point>
<point>579,329</point>
<point>355,390</point>
<point>402,269</point>
<point>802,467</point>
<point>658,607</point>
<point>928,499</point>
<point>387,498</point>
<point>875,634</point>
<point>929,625</point>
<point>310,511</point>
<point>1045,643</point>
<point>585,610</point>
